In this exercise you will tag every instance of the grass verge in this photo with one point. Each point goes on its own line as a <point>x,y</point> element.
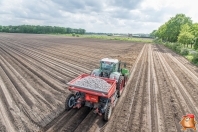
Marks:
<point>105,37</point>
<point>189,53</point>
<point>120,38</point>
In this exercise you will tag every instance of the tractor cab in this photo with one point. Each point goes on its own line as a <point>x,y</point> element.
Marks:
<point>113,69</point>
<point>107,66</point>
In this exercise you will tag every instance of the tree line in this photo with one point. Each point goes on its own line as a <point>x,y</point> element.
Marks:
<point>40,29</point>
<point>180,29</point>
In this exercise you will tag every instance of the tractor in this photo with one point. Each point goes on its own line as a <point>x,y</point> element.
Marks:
<point>112,72</point>
<point>113,69</point>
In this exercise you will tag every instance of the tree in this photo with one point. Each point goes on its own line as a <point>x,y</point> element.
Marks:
<point>161,32</point>
<point>39,29</point>
<point>194,31</point>
<point>185,28</point>
<point>196,44</point>
<point>186,33</point>
<point>171,29</point>
<point>185,38</point>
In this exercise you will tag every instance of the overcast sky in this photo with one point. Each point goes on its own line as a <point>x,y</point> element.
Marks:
<point>117,16</point>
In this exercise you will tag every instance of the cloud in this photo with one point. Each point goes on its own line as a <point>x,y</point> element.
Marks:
<point>129,4</point>
<point>76,6</point>
<point>119,16</point>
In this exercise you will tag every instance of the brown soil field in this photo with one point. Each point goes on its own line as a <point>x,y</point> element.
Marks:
<point>34,70</point>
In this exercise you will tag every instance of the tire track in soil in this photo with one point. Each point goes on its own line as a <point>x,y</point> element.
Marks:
<point>4,113</point>
<point>75,121</point>
<point>18,105</point>
<point>73,66</point>
<point>46,118</point>
<point>76,52</point>
<point>49,62</point>
<point>13,117</point>
<point>26,60</point>
<point>32,93</point>
<point>69,121</point>
<point>50,81</point>
<point>165,95</point>
<point>137,121</point>
<point>38,84</point>
<point>18,62</point>
<point>179,103</point>
<point>167,99</point>
<point>188,99</point>
<point>157,125</point>
<point>59,120</point>
<point>79,51</point>
<point>188,79</point>
<point>29,87</point>
<point>124,105</point>
<point>150,93</point>
<point>88,124</point>
<point>181,60</point>
<point>183,69</point>
<point>20,88</point>
<point>32,101</point>
<point>47,67</point>
<point>61,105</point>
<point>2,126</point>
<point>49,108</point>
<point>48,58</point>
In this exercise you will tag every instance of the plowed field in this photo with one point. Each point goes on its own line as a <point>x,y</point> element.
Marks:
<point>34,70</point>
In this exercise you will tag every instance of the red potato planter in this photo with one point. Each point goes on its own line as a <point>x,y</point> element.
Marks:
<point>101,101</point>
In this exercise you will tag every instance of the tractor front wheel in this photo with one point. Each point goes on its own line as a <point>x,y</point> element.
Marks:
<point>107,113</point>
<point>70,102</point>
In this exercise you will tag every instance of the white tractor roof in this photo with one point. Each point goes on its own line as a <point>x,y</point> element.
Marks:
<point>110,60</point>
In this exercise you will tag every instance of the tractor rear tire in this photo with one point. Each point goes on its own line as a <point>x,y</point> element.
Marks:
<point>107,113</point>
<point>70,101</point>
<point>120,85</point>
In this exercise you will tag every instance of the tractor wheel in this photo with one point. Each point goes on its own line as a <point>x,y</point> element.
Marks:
<point>120,85</point>
<point>107,113</point>
<point>70,101</point>
<point>125,80</point>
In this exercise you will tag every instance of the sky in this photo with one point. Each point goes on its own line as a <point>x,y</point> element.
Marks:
<point>104,16</point>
